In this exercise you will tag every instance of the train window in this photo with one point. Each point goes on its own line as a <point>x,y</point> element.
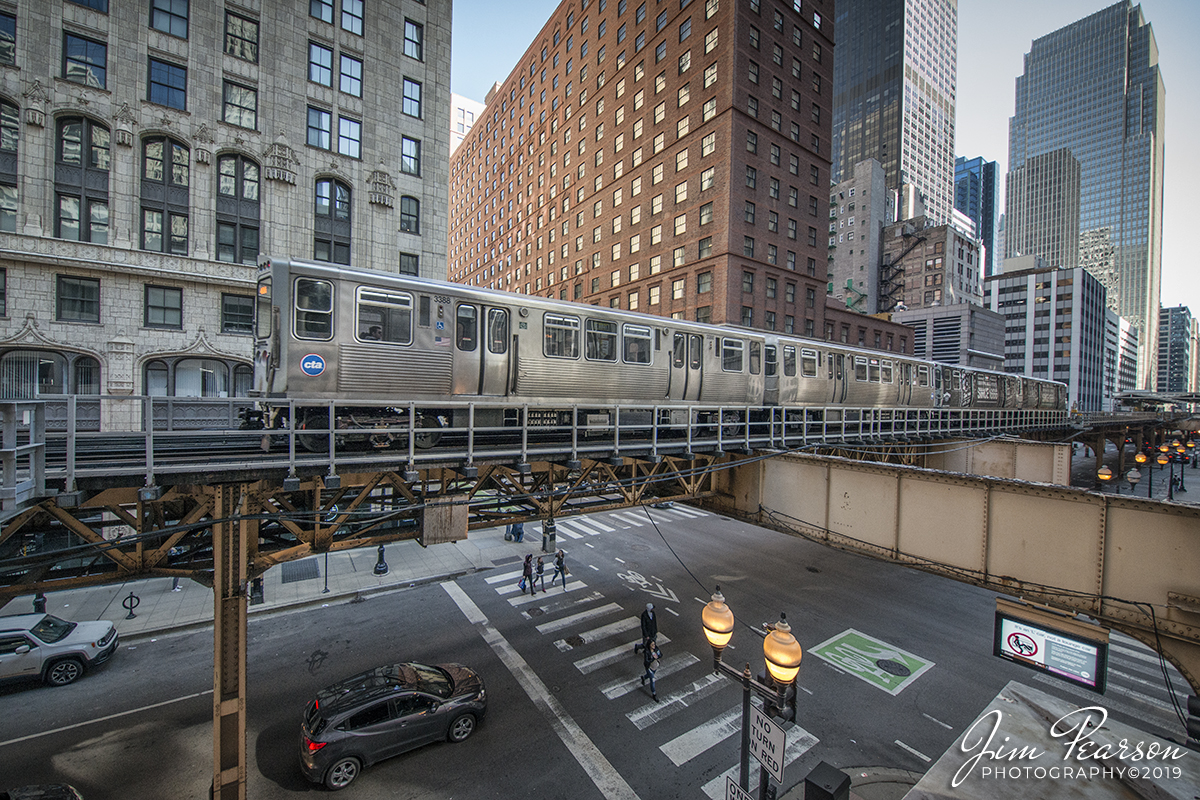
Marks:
<point>466,327</point>
<point>600,340</point>
<point>808,363</point>
<point>695,351</point>
<point>423,311</point>
<point>497,331</point>
<point>873,370</point>
<point>314,309</point>
<point>772,365</point>
<point>922,376</point>
<point>561,336</point>
<point>732,351</point>
<point>636,339</point>
<point>789,361</point>
<point>262,310</point>
<point>860,369</point>
<point>885,370</point>
<point>755,358</point>
<point>678,354</point>
<point>384,316</point>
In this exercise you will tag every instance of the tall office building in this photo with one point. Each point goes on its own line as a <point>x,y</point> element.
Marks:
<point>975,195</point>
<point>669,159</point>
<point>1175,354</point>
<point>463,111</point>
<point>859,208</point>
<point>150,153</point>
<point>1042,201</point>
<point>1094,87</point>
<point>894,89</point>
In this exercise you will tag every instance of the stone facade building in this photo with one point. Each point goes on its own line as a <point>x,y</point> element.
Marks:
<point>936,265</point>
<point>151,153</point>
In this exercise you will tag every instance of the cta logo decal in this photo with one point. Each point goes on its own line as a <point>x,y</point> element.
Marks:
<point>312,365</point>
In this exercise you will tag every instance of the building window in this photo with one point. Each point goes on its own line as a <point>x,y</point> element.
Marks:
<point>706,178</point>
<point>196,377</point>
<point>237,210</point>
<point>320,64</point>
<point>168,84</point>
<point>78,299</point>
<point>410,156</point>
<point>241,106</point>
<point>414,38</point>
<point>750,209</point>
<point>165,180</point>
<point>8,39</point>
<point>85,61</point>
<point>320,123</point>
<point>163,307</point>
<point>410,215</point>
<point>412,98</point>
<point>81,181</point>
<point>751,177</point>
<point>95,5</point>
<point>352,16</point>
<point>409,264</point>
<point>706,247</point>
<point>241,37</point>
<point>748,246</point>
<point>685,30</point>
<point>332,236</point>
<point>349,137</point>
<point>351,76</point>
<point>321,9</point>
<point>237,314</point>
<point>170,16</point>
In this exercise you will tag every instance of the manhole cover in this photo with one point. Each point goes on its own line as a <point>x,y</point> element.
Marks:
<point>574,641</point>
<point>535,612</point>
<point>639,547</point>
<point>893,667</point>
<point>813,569</point>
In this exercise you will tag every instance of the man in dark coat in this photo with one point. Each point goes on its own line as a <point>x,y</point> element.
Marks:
<point>649,627</point>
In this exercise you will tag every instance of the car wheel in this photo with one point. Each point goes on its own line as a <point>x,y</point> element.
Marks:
<point>462,727</point>
<point>64,671</point>
<point>342,773</point>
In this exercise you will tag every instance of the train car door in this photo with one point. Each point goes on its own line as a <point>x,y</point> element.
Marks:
<point>482,349</point>
<point>837,374</point>
<point>687,358</point>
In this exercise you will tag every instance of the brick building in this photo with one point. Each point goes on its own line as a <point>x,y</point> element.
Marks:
<point>665,158</point>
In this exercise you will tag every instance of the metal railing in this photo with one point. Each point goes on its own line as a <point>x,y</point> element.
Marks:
<point>22,453</point>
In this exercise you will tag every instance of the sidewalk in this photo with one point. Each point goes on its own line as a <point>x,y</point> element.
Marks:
<point>1083,476</point>
<point>294,584</point>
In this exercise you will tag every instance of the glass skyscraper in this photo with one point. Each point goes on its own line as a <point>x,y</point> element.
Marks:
<point>1094,88</point>
<point>894,83</point>
<point>975,196</point>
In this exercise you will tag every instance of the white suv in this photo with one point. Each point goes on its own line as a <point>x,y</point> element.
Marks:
<point>57,651</point>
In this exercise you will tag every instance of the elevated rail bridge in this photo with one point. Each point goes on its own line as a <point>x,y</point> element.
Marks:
<point>222,506</point>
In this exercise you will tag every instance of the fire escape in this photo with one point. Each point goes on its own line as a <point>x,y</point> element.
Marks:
<point>891,272</point>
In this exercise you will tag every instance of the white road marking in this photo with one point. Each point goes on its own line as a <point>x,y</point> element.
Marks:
<point>513,576</point>
<point>633,520</point>
<point>915,752</point>
<point>652,712</point>
<point>106,718</point>
<point>672,611</point>
<point>603,774</point>
<point>684,748</point>
<point>565,602</point>
<point>609,656</point>
<point>596,634</point>
<point>937,721</point>
<point>525,599</point>
<point>667,666</point>
<point>582,616</point>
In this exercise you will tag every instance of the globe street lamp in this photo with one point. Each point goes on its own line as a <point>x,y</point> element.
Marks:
<point>1191,446</point>
<point>1181,456</point>
<point>1141,459</point>
<point>1105,475</point>
<point>1163,460</point>
<point>782,653</point>
<point>1133,476</point>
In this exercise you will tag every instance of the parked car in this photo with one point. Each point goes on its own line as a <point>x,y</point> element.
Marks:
<point>55,791</point>
<point>57,651</point>
<point>384,712</point>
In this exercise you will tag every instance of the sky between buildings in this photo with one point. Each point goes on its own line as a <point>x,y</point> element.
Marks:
<point>489,38</point>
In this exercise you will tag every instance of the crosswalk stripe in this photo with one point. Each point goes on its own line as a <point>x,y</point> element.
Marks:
<point>609,656</point>
<point>666,667</point>
<point>590,527</point>
<point>563,530</point>
<point>574,619</point>
<point>635,521</point>
<point>689,513</point>
<point>652,712</point>
<point>507,576</point>
<point>687,746</point>
<point>596,634</point>
<point>797,742</point>
<point>562,602</point>
<point>524,598</point>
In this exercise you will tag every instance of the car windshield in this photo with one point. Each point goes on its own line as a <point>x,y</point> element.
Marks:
<point>51,629</point>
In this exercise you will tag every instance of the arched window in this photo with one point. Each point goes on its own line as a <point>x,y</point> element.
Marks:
<point>38,373</point>
<point>166,176</point>
<point>410,215</point>
<point>332,235</point>
<point>82,158</point>
<point>237,209</point>
<point>197,377</point>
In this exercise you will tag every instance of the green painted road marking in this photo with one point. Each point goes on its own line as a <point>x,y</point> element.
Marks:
<point>874,661</point>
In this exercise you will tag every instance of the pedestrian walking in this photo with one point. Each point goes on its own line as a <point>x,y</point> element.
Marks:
<point>518,531</point>
<point>540,575</point>
<point>650,660</point>
<point>527,573</point>
<point>560,568</point>
<point>649,627</point>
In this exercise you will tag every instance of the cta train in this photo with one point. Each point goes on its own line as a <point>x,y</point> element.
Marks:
<point>386,345</point>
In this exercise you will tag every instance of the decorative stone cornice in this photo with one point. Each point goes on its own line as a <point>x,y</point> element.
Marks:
<point>280,162</point>
<point>36,98</point>
<point>382,188</point>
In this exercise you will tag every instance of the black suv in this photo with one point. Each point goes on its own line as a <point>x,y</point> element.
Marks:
<point>384,712</point>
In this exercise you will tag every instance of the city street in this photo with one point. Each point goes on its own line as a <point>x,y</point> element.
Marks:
<point>567,716</point>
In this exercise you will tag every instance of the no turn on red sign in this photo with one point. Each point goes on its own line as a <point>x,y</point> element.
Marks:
<point>767,742</point>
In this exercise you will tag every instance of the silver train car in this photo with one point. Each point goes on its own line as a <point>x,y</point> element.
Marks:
<point>327,333</point>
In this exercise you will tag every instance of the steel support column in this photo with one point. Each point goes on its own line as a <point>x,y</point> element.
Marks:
<point>230,581</point>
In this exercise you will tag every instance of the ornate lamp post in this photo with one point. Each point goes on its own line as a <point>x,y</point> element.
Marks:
<point>782,653</point>
<point>1104,474</point>
<point>1181,452</point>
<point>1133,476</point>
<point>1140,458</point>
<point>1163,460</point>
<point>1191,446</point>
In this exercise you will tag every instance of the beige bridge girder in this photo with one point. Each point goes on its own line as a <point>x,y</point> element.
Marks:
<point>1130,563</point>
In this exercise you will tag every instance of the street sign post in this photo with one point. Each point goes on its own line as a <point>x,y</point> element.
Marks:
<point>734,792</point>
<point>767,741</point>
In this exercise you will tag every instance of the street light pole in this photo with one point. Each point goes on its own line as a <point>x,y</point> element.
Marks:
<point>1141,459</point>
<point>782,653</point>
<point>1133,476</point>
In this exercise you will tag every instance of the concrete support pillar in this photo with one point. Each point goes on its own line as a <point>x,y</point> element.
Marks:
<point>1098,445</point>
